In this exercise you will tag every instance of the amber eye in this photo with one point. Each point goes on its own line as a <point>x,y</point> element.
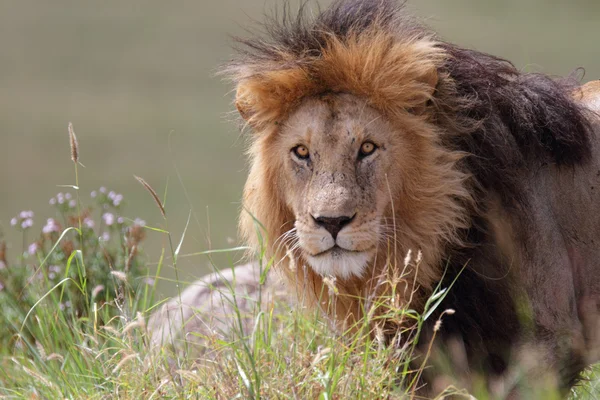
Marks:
<point>301,152</point>
<point>366,149</point>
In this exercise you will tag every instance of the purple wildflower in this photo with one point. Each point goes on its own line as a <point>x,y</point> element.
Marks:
<point>52,201</point>
<point>26,214</point>
<point>105,237</point>
<point>94,194</point>
<point>108,218</point>
<point>148,281</point>
<point>33,248</point>
<point>14,222</point>
<point>72,203</point>
<point>117,200</point>
<point>103,190</point>
<point>54,268</point>
<point>28,223</point>
<point>51,226</point>
<point>89,223</point>
<point>139,222</point>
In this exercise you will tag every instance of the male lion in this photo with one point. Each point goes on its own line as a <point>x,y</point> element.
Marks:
<point>373,137</point>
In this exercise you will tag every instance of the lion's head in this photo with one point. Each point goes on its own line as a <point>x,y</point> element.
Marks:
<point>348,172</point>
<point>352,184</point>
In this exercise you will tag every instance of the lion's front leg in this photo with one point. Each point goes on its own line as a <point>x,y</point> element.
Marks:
<point>552,349</point>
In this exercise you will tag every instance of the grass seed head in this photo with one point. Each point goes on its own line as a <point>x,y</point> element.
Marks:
<point>330,282</point>
<point>153,194</point>
<point>119,275</point>
<point>74,144</point>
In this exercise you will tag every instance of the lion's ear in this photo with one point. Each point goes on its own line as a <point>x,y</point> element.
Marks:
<point>259,102</point>
<point>244,103</point>
<point>264,98</point>
<point>428,81</point>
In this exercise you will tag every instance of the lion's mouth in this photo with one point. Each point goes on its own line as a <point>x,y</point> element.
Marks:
<point>335,250</point>
<point>339,261</point>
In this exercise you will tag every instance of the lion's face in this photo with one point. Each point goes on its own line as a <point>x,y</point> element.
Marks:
<point>342,163</point>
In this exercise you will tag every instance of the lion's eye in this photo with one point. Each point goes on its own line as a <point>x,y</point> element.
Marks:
<point>301,152</point>
<point>366,149</point>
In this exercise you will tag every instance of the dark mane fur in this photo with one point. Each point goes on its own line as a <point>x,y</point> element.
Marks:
<point>521,120</point>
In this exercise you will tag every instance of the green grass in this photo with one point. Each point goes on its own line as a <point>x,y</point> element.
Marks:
<point>76,301</point>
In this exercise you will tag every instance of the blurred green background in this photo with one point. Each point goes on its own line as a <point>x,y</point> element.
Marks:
<point>136,78</point>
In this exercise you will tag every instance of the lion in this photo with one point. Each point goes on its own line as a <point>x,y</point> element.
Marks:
<point>373,137</point>
<point>206,310</point>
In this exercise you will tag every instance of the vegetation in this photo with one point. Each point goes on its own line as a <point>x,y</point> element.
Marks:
<point>76,301</point>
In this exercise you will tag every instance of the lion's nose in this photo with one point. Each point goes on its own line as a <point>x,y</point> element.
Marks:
<point>333,225</point>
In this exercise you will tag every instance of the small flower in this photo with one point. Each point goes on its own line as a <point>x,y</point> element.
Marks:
<point>108,219</point>
<point>54,268</point>
<point>111,195</point>
<point>94,194</point>
<point>51,226</point>
<point>52,201</point>
<point>68,196</point>
<point>120,220</point>
<point>2,265</point>
<point>33,248</point>
<point>72,203</point>
<point>117,200</point>
<point>14,222</point>
<point>105,237</point>
<point>139,222</point>
<point>60,198</point>
<point>103,190</point>
<point>51,275</point>
<point>28,223</point>
<point>148,281</point>
<point>26,214</point>
<point>89,223</point>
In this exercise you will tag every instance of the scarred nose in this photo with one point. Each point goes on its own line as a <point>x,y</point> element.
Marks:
<point>333,225</point>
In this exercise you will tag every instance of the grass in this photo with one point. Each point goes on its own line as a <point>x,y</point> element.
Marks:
<point>76,302</point>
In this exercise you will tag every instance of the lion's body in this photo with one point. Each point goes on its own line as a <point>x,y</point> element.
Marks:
<point>539,256</point>
<point>374,137</point>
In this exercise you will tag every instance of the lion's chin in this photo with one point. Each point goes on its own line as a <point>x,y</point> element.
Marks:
<point>340,263</point>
